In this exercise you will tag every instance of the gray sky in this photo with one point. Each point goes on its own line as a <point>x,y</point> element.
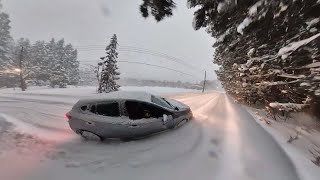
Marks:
<point>90,23</point>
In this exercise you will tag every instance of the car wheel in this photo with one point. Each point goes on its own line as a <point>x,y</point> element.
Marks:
<point>90,136</point>
<point>184,121</point>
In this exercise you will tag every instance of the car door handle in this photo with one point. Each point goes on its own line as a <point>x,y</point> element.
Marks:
<point>89,123</point>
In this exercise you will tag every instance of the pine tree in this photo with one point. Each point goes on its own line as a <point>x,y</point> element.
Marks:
<point>109,73</point>
<point>41,65</point>
<point>5,38</point>
<point>71,65</point>
<point>158,8</point>
<point>268,50</point>
<point>58,75</point>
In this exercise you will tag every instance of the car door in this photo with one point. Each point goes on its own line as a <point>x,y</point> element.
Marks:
<point>108,119</point>
<point>145,118</point>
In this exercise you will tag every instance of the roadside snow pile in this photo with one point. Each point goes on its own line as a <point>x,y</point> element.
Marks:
<point>300,142</point>
<point>287,50</point>
<point>288,107</point>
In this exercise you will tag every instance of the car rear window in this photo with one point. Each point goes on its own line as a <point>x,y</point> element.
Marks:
<point>106,109</point>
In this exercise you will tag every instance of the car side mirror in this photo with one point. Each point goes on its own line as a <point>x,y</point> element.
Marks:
<point>166,118</point>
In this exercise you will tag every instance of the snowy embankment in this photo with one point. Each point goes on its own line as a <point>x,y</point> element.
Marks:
<point>299,137</point>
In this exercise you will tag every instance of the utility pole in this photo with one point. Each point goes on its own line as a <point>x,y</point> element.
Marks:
<point>98,78</point>
<point>22,82</point>
<point>204,82</point>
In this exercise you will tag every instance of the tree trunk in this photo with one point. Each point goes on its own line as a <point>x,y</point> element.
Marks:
<point>23,85</point>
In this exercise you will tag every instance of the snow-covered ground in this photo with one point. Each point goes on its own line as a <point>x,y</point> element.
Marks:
<point>297,136</point>
<point>223,142</point>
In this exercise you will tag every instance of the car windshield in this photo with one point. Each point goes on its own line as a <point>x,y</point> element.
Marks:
<point>161,102</point>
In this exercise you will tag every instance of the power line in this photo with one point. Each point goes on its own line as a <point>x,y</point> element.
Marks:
<point>141,51</point>
<point>163,67</point>
<point>149,64</point>
<point>173,59</point>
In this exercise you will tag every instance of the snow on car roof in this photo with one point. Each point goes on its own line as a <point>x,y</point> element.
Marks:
<point>119,95</point>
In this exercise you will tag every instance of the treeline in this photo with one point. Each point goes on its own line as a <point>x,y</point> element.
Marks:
<point>54,63</point>
<point>212,85</point>
<point>268,50</point>
<point>51,63</point>
<point>146,82</point>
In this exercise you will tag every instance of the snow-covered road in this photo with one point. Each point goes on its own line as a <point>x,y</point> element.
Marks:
<point>223,142</point>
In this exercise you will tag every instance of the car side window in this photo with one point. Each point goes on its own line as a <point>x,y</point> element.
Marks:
<point>139,110</point>
<point>106,109</point>
<point>84,108</point>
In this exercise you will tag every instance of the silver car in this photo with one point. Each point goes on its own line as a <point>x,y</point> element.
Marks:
<point>126,115</point>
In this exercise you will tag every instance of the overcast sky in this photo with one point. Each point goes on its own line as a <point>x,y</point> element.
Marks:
<point>89,24</point>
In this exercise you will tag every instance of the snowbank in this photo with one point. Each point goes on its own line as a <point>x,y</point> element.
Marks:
<point>287,106</point>
<point>297,151</point>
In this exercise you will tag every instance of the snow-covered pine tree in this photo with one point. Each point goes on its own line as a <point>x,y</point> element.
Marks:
<point>40,57</point>
<point>5,37</point>
<point>5,43</point>
<point>62,63</point>
<point>159,9</point>
<point>268,50</point>
<point>72,65</point>
<point>109,73</point>
<point>58,70</point>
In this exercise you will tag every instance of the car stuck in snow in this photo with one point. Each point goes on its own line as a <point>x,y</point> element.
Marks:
<point>126,115</point>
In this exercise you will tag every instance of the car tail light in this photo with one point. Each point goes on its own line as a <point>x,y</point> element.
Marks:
<point>68,116</point>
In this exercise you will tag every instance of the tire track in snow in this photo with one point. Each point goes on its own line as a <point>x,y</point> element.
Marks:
<point>37,118</point>
<point>50,102</point>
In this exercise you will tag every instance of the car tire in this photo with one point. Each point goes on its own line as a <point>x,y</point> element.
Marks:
<point>90,136</point>
<point>181,123</point>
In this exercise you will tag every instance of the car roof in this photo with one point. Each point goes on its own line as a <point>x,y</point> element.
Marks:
<point>118,95</point>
